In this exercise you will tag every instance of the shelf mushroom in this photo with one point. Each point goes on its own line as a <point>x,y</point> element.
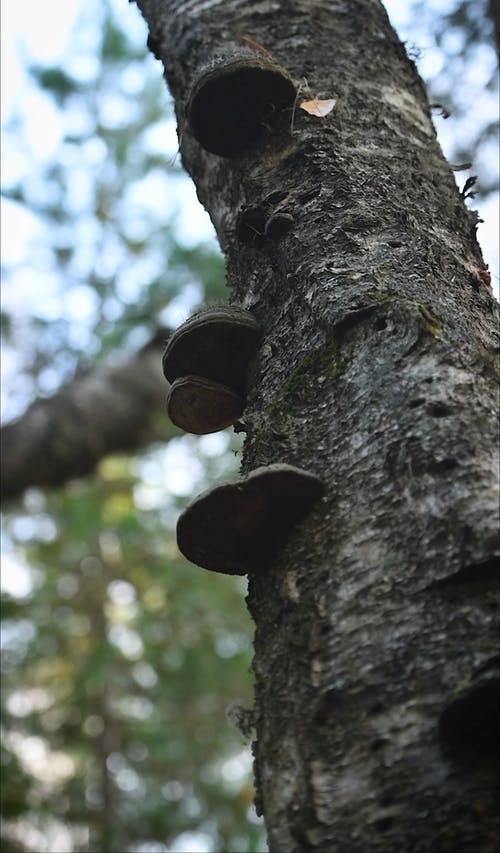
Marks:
<point>206,361</point>
<point>237,527</point>
<point>234,101</point>
<point>201,406</point>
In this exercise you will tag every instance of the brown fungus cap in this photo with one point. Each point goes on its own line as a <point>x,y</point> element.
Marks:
<point>237,527</point>
<point>201,406</point>
<point>216,344</point>
<point>232,103</point>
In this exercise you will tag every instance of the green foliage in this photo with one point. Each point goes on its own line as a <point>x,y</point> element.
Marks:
<point>125,677</point>
<point>56,82</point>
<point>463,32</point>
<point>121,661</point>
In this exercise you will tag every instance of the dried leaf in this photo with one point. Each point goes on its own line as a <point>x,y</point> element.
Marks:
<point>318,106</point>
<point>484,275</point>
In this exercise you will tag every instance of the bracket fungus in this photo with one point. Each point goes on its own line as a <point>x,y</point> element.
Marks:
<point>216,344</point>
<point>206,362</point>
<point>234,101</point>
<point>201,406</point>
<point>237,527</point>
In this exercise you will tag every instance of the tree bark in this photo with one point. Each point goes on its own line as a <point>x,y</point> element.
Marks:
<point>110,409</point>
<point>494,13</point>
<point>376,644</point>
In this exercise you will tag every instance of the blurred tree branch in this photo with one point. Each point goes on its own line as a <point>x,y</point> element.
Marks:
<point>108,409</point>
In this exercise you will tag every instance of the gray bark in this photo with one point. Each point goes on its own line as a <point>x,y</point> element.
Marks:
<point>494,13</point>
<point>109,409</point>
<point>376,372</point>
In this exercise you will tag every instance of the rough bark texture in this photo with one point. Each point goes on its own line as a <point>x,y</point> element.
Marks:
<point>109,409</point>
<point>494,13</point>
<point>376,372</point>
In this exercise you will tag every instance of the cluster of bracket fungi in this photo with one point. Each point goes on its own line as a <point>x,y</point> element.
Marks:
<point>234,527</point>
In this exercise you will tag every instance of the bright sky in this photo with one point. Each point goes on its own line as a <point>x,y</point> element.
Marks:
<point>23,24</point>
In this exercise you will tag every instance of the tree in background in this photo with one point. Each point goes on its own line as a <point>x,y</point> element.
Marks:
<point>117,669</point>
<point>107,268</point>
<point>117,672</point>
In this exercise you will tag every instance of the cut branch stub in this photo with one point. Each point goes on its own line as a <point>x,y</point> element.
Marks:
<point>216,344</point>
<point>237,527</point>
<point>233,102</point>
<point>250,225</point>
<point>201,406</point>
<point>278,225</point>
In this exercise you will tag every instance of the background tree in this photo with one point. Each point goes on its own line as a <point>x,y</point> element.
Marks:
<point>110,261</point>
<point>118,670</point>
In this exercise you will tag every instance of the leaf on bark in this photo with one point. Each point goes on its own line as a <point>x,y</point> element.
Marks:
<point>318,106</point>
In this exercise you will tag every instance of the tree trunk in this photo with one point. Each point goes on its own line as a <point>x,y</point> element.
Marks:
<point>494,13</point>
<point>110,409</point>
<point>376,651</point>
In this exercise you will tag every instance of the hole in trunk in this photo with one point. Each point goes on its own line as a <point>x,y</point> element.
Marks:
<point>468,726</point>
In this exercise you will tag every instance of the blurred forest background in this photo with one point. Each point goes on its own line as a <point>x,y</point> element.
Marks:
<point>125,669</point>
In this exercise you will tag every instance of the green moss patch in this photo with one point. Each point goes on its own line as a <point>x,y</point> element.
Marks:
<point>325,362</point>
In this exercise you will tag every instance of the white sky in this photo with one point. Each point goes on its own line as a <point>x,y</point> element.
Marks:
<point>28,30</point>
